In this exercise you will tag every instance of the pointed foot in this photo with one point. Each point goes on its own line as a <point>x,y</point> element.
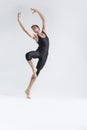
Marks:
<point>28,94</point>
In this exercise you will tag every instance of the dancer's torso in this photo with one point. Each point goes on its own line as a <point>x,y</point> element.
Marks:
<point>43,43</point>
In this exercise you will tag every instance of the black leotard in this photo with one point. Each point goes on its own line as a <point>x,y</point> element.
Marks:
<point>41,52</point>
<point>43,43</point>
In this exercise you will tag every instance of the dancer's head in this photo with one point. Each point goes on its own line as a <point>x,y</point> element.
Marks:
<point>35,28</point>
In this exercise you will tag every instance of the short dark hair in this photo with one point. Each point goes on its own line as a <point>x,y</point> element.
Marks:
<point>35,25</point>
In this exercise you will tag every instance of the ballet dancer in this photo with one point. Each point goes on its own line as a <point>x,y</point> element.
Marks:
<point>41,38</point>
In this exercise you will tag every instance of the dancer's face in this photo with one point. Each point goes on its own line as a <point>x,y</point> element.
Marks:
<point>35,29</point>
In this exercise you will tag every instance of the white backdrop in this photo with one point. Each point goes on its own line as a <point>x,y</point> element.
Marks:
<point>65,72</point>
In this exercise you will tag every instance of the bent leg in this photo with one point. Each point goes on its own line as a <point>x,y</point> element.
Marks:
<point>29,56</point>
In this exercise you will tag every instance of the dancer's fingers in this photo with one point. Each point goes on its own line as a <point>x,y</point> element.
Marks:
<point>19,14</point>
<point>33,10</point>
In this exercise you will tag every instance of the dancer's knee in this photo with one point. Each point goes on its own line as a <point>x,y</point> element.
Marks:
<point>28,56</point>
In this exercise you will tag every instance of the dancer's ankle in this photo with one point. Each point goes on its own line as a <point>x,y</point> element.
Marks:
<point>27,90</point>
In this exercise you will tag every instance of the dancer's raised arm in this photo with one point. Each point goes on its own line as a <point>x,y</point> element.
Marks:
<point>27,32</point>
<point>42,18</point>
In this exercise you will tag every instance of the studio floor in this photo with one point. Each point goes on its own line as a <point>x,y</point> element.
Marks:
<point>20,113</point>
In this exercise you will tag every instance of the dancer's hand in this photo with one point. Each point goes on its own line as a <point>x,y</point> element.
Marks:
<point>18,15</point>
<point>34,10</point>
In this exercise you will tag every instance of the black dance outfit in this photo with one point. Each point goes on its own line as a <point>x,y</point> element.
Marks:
<point>41,53</point>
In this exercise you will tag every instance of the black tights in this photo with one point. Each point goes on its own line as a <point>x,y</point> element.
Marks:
<point>42,56</point>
